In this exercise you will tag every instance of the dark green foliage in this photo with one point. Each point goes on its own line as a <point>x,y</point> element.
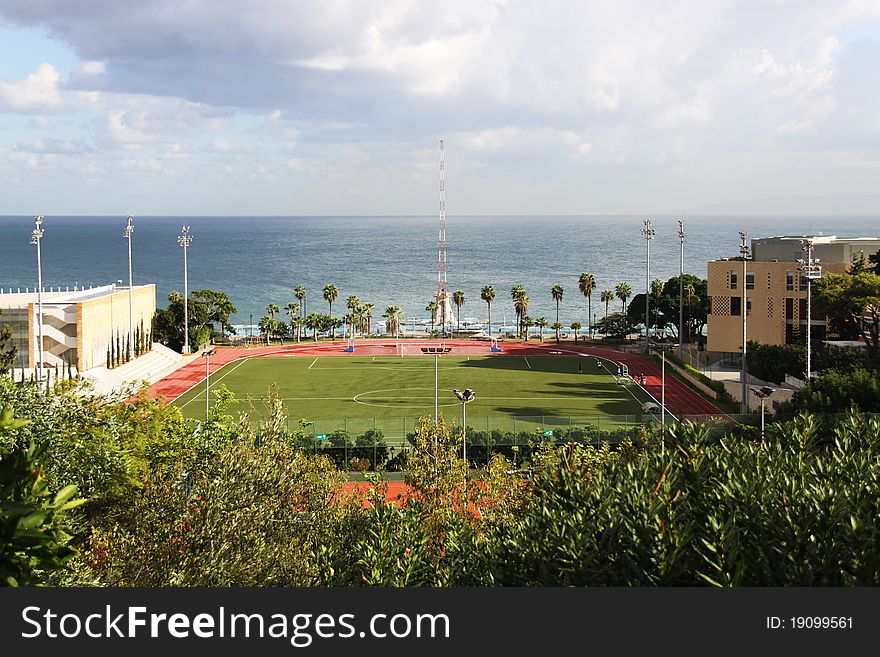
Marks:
<point>33,535</point>
<point>168,326</point>
<point>616,325</point>
<point>7,349</point>
<point>801,511</point>
<point>837,390</point>
<point>773,362</point>
<point>254,515</point>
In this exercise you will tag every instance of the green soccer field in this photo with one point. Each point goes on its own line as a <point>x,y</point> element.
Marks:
<point>357,393</point>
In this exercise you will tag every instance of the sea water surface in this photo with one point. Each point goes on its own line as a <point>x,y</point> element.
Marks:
<point>387,260</point>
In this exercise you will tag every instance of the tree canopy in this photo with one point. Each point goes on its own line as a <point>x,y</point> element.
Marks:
<point>852,305</point>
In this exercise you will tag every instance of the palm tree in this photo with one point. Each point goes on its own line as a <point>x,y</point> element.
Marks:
<point>348,320</point>
<point>360,316</point>
<point>352,304</point>
<point>368,315</point>
<point>520,304</point>
<point>292,309</point>
<point>656,293</point>
<point>607,297</point>
<point>313,321</point>
<point>330,294</point>
<point>527,323</point>
<point>623,292</point>
<point>433,307</point>
<point>273,310</point>
<point>487,294</point>
<point>575,326</point>
<point>300,294</point>
<point>458,300</point>
<point>586,284</point>
<point>556,292</point>
<point>392,319</point>
<point>689,293</point>
<point>556,326</point>
<point>541,323</point>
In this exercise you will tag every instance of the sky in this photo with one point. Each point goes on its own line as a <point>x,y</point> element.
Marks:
<point>326,107</point>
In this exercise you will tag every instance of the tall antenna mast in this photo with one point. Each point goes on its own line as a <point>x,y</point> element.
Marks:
<point>442,294</point>
<point>441,243</point>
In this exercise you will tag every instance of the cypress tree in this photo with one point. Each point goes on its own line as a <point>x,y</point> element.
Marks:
<point>118,350</point>
<point>109,359</point>
<point>127,348</point>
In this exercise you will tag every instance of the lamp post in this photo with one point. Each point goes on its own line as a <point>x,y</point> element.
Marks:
<point>810,270</point>
<point>745,253</point>
<point>207,356</point>
<point>36,236</point>
<point>129,229</point>
<point>184,239</point>
<point>762,393</point>
<point>464,396</point>
<point>648,234</point>
<point>436,377</point>
<point>681,291</point>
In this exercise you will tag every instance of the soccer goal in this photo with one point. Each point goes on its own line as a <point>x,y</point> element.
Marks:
<point>255,341</point>
<point>494,345</point>
<point>349,346</point>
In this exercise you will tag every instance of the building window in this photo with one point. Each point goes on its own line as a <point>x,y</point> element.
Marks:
<point>733,280</point>
<point>735,306</point>
<point>789,308</point>
<point>789,281</point>
<point>750,281</point>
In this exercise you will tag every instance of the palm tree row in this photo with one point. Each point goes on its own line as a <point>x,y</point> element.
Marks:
<point>521,300</point>
<point>359,318</point>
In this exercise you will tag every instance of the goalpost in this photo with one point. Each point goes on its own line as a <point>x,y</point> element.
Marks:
<point>349,345</point>
<point>493,343</point>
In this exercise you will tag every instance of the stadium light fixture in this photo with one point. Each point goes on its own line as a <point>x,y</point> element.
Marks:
<point>745,253</point>
<point>207,356</point>
<point>36,236</point>
<point>184,239</point>
<point>127,231</point>
<point>464,396</point>
<point>648,233</point>
<point>762,393</point>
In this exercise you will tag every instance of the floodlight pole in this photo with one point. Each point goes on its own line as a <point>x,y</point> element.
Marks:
<point>436,369</point>
<point>207,356</point>
<point>744,252</point>
<point>663,392</point>
<point>648,233</point>
<point>184,240</point>
<point>129,229</point>
<point>36,236</point>
<point>811,270</point>
<point>681,292</point>
<point>464,431</point>
<point>762,420</point>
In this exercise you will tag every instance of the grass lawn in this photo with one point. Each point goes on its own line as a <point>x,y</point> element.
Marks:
<point>357,393</point>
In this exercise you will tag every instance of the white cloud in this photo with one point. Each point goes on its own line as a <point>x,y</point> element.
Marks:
<point>37,93</point>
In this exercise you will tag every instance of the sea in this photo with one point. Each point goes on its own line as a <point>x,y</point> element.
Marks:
<point>388,260</point>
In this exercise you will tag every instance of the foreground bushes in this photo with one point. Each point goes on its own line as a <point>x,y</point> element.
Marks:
<point>227,504</point>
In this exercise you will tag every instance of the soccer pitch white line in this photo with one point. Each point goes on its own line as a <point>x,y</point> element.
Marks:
<point>225,374</point>
<point>313,362</point>
<point>527,362</point>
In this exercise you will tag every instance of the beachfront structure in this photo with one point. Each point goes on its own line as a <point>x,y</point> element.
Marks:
<point>776,289</point>
<point>79,324</point>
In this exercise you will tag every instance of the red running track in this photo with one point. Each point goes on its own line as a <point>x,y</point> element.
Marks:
<point>680,399</point>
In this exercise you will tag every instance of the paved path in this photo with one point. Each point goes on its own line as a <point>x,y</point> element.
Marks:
<point>680,398</point>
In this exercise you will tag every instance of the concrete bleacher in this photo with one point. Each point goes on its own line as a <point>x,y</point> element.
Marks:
<point>150,367</point>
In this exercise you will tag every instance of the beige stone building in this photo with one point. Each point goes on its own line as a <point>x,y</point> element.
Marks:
<point>776,291</point>
<point>78,325</point>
